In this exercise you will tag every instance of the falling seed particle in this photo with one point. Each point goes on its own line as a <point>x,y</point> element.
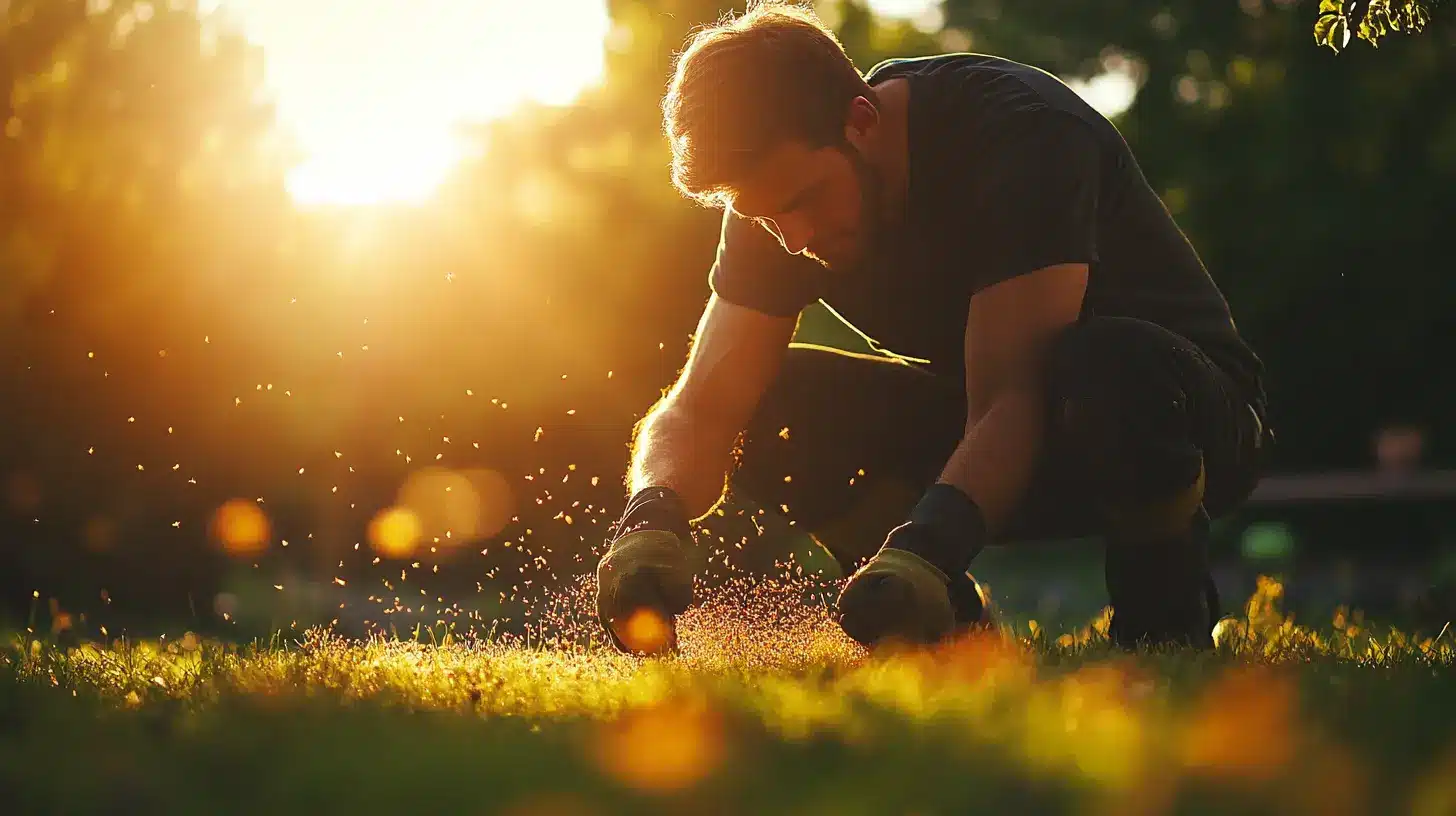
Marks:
<point>91,450</point>
<point>340,582</point>
<point>594,480</point>
<point>469,393</point>
<point>176,524</point>
<point>131,419</point>
<point>278,587</point>
<point>139,467</point>
<point>538,434</point>
<point>300,471</point>
<point>169,429</point>
<point>237,401</point>
<point>338,455</point>
<point>784,432</point>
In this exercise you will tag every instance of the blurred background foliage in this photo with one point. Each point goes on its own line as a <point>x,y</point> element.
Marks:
<point>177,331</point>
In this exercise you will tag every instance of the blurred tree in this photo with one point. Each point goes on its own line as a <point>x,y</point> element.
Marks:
<point>139,189</point>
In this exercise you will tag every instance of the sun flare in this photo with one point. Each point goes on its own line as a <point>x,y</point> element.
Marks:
<point>374,90</point>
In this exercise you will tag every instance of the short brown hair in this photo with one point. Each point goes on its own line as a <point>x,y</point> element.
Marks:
<point>749,83</point>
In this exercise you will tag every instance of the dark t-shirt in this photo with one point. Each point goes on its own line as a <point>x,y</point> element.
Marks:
<point>1010,171</point>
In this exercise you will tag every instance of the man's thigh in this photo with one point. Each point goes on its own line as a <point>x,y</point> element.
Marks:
<point>1132,411</point>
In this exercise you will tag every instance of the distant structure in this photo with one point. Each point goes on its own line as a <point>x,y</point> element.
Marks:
<point>1398,475</point>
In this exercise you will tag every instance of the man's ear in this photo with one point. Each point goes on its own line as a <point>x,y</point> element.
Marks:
<point>862,118</point>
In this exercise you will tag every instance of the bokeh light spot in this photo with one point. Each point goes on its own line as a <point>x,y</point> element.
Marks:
<point>457,506</point>
<point>395,532</point>
<point>241,527</point>
<point>99,534</point>
<point>663,749</point>
<point>646,632</point>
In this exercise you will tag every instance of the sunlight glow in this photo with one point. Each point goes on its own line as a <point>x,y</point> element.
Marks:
<point>374,90</point>
<point>1114,90</point>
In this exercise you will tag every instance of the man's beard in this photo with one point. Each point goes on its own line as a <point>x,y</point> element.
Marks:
<point>872,226</point>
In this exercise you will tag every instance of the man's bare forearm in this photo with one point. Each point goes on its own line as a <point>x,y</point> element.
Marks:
<point>996,459</point>
<point>684,450</point>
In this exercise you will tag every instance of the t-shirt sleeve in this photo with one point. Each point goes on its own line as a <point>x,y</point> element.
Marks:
<point>1037,190</point>
<point>755,271</point>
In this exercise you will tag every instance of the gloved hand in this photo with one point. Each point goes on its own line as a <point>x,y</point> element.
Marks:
<point>643,581</point>
<point>897,595</point>
<point>905,591</point>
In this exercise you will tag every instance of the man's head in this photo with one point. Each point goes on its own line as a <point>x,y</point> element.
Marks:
<point>767,115</point>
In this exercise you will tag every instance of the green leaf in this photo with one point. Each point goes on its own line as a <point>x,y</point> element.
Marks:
<point>1323,27</point>
<point>1331,7</point>
<point>1332,30</point>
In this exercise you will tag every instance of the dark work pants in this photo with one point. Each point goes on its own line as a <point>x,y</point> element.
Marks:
<point>1132,410</point>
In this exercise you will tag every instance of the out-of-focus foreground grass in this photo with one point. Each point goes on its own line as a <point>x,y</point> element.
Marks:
<point>767,709</point>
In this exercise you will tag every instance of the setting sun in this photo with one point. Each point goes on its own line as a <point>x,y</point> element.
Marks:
<point>373,90</point>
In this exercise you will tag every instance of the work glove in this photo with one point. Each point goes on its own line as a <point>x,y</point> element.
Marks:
<point>906,592</point>
<point>897,595</point>
<point>645,580</point>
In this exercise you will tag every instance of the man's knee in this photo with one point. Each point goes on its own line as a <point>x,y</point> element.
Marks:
<point>1118,410</point>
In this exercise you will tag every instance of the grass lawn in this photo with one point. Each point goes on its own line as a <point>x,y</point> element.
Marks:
<point>767,709</point>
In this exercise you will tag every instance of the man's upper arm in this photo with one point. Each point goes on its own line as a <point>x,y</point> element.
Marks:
<point>1011,326</point>
<point>736,354</point>
<point>1035,195</point>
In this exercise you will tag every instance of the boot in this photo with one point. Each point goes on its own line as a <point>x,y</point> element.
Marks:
<point>1161,589</point>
